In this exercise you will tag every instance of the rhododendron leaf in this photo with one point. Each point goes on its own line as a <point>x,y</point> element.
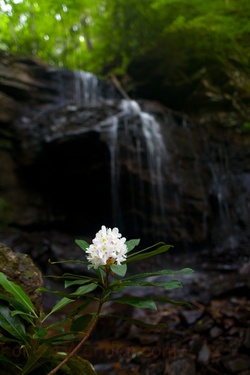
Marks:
<point>149,254</point>
<point>17,292</point>
<point>63,302</point>
<point>68,283</point>
<point>81,323</point>
<point>171,284</point>
<point>12,324</point>
<point>84,289</point>
<point>143,303</point>
<point>131,244</point>
<point>119,270</point>
<point>83,244</point>
<point>172,302</point>
<point>33,361</point>
<point>184,271</point>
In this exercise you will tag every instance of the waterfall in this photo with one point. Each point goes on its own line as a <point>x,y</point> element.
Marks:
<point>156,154</point>
<point>135,127</point>
<point>86,87</point>
<point>136,144</point>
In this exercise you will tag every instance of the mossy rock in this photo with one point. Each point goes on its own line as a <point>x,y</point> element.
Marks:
<point>20,269</point>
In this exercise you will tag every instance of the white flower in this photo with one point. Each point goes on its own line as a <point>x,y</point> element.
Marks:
<point>108,247</point>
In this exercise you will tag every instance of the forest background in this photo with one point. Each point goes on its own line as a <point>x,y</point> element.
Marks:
<point>187,54</point>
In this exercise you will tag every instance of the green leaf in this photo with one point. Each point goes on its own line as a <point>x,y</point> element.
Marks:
<point>79,308</point>
<point>40,332</point>
<point>33,361</point>
<point>119,270</point>
<point>172,302</point>
<point>63,302</point>
<point>172,284</point>
<point>66,261</point>
<point>13,302</point>
<point>60,339</point>
<point>58,324</point>
<point>149,254</point>
<point>143,303</point>
<point>146,249</point>
<point>19,308</point>
<point>26,316</point>
<point>131,244</point>
<point>100,272</point>
<point>185,271</point>
<point>12,324</point>
<point>76,282</point>
<point>17,292</point>
<point>85,289</point>
<point>58,293</point>
<point>83,244</point>
<point>81,323</point>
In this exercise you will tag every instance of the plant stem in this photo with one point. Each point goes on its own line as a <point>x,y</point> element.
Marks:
<point>89,330</point>
<point>75,350</point>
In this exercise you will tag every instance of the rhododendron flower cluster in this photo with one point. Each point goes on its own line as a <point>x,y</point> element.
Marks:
<point>108,247</point>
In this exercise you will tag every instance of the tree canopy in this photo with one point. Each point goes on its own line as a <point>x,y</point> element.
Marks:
<point>174,39</point>
<point>93,33</point>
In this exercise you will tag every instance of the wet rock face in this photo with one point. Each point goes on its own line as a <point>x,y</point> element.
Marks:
<point>74,161</point>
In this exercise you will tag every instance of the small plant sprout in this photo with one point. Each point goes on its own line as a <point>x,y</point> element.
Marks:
<point>107,257</point>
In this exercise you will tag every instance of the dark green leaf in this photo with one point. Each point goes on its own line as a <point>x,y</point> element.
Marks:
<point>67,261</point>
<point>60,339</point>
<point>26,316</point>
<point>79,308</point>
<point>19,308</point>
<point>17,292</point>
<point>58,293</point>
<point>63,302</point>
<point>119,270</point>
<point>12,324</point>
<point>184,271</point>
<point>81,323</point>
<point>172,302</point>
<point>58,325</point>
<point>40,332</point>
<point>143,303</point>
<point>83,244</point>
<point>149,254</point>
<point>131,244</point>
<point>172,284</point>
<point>76,282</point>
<point>84,289</point>
<point>33,360</point>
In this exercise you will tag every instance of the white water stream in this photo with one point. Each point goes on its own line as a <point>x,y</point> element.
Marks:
<point>135,127</point>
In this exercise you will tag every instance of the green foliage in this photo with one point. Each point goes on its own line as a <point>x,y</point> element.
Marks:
<point>93,34</point>
<point>22,325</point>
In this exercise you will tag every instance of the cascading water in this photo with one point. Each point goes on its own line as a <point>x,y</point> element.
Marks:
<point>86,87</point>
<point>148,156</point>
<point>148,133</point>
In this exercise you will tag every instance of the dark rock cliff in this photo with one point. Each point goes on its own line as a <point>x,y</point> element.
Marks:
<point>73,158</point>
